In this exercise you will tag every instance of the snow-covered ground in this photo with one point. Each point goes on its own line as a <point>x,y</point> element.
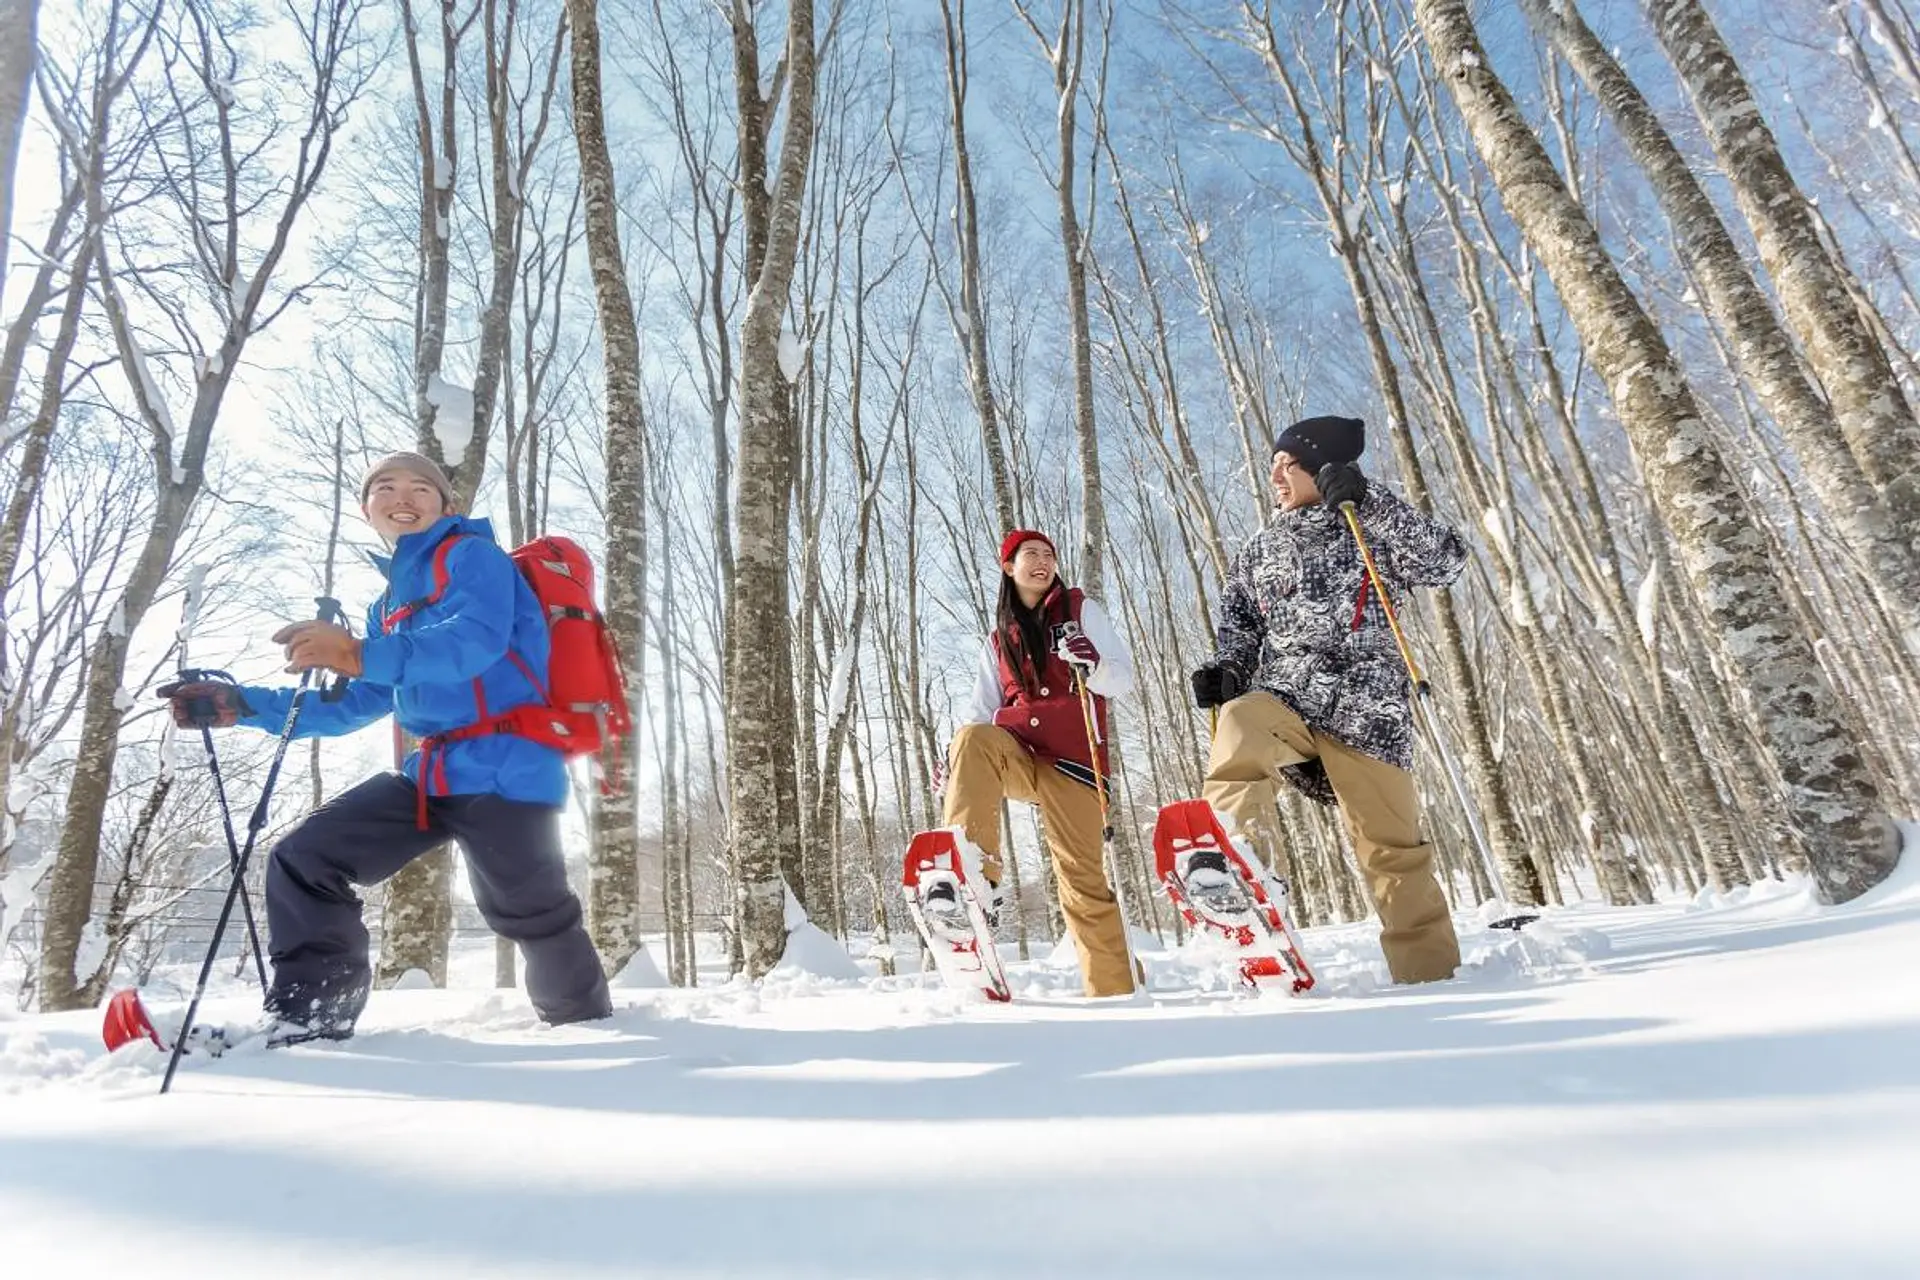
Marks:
<point>1725,1088</point>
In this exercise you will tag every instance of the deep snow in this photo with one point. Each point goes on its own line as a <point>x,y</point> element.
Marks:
<point>1728,1087</point>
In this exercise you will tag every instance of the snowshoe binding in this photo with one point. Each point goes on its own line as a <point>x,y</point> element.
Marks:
<point>949,914</point>
<point>1224,894</point>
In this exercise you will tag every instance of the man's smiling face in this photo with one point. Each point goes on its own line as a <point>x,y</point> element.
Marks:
<point>399,503</point>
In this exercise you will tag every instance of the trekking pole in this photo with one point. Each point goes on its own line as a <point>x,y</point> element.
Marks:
<point>191,674</point>
<point>189,616</point>
<point>329,608</point>
<point>1110,858</point>
<point>1423,692</point>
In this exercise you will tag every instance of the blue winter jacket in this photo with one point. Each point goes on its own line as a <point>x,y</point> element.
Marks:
<point>426,672</point>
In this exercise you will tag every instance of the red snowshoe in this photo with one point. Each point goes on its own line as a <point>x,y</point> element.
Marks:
<point>1223,892</point>
<point>127,1021</point>
<point>949,916</point>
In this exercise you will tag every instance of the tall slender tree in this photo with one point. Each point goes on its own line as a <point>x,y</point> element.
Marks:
<point>20,20</point>
<point>614,879</point>
<point>1840,345</point>
<point>1830,799</point>
<point>763,802</point>
<point>1066,53</point>
<point>970,316</point>
<point>1765,353</point>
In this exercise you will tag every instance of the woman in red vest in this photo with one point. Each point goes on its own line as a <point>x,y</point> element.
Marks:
<point>1024,737</point>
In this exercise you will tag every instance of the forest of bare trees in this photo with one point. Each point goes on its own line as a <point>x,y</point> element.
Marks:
<point>788,309</point>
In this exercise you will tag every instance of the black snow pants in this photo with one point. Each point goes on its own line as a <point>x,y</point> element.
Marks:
<point>319,945</point>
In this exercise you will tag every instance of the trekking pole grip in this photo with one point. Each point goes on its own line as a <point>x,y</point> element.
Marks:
<point>327,609</point>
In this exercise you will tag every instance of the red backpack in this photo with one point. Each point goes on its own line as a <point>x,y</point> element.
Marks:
<point>585,712</point>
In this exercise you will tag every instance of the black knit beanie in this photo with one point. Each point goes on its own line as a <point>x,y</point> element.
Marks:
<point>1315,442</point>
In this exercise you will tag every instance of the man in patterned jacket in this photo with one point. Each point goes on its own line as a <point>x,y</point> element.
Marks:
<point>1311,687</point>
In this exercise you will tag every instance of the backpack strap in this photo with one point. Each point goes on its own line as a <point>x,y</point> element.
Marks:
<point>394,617</point>
<point>526,671</point>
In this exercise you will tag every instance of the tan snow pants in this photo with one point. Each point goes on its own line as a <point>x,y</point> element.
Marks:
<point>1256,736</point>
<point>985,764</point>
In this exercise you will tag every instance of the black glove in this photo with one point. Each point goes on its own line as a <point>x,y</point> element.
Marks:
<point>1216,683</point>
<point>1340,483</point>
<point>205,704</point>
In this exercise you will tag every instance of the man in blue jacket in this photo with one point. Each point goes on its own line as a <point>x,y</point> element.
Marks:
<point>442,651</point>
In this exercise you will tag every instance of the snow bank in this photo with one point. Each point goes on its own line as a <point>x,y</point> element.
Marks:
<point>1796,895</point>
<point>28,1060</point>
<point>813,951</point>
<point>638,974</point>
<point>1903,886</point>
<point>1546,950</point>
<point>1066,955</point>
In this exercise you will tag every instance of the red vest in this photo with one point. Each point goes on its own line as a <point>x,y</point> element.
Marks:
<point>1052,724</point>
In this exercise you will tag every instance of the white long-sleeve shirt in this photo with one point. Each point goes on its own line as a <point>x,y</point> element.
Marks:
<point>1112,678</point>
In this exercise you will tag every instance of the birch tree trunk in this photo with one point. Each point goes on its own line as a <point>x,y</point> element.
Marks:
<point>675,875</point>
<point>455,428</point>
<point>674,760</point>
<point>761,740</point>
<point>511,161</point>
<point>417,923</point>
<point>614,873</point>
<point>1066,54</point>
<point>841,731</point>
<point>1766,356</point>
<point>1872,412</point>
<point>18,52</point>
<point>1830,799</point>
<point>439,150</point>
<point>508,171</point>
<point>55,248</point>
<point>972,318</point>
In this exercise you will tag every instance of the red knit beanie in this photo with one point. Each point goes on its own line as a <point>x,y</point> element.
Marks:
<point>1010,545</point>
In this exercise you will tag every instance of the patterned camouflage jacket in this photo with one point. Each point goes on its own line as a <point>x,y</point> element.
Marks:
<point>1300,620</point>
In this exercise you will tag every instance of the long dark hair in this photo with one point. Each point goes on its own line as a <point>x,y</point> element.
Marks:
<point>1023,634</point>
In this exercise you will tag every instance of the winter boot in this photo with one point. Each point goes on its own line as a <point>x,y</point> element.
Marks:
<point>1211,884</point>
<point>281,1032</point>
<point>941,897</point>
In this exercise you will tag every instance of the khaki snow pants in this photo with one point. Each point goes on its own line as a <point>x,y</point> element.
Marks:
<point>1256,736</point>
<point>986,764</point>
